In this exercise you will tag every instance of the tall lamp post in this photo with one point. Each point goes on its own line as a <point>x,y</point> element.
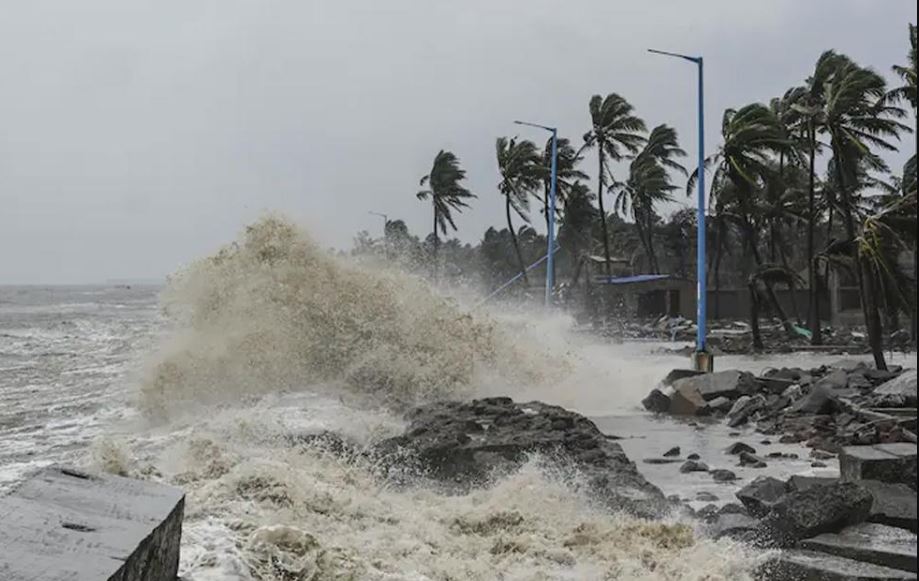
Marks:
<point>702,359</point>
<point>550,235</point>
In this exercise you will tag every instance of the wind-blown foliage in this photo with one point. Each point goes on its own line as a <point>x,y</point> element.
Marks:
<point>520,170</point>
<point>445,193</point>
<point>615,133</point>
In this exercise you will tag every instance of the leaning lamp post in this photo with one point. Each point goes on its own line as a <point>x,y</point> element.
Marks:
<point>702,360</point>
<point>550,235</point>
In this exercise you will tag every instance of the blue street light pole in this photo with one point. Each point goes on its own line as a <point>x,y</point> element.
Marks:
<point>550,235</point>
<point>702,359</point>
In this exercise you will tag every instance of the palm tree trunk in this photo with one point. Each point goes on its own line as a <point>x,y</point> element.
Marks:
<point>510,227</point>
<point>754,317</point>
<point>436,244</point>
<point>869,308</point>
<point>600,181</point>
<point>813,313</point>
<point>793,288</point>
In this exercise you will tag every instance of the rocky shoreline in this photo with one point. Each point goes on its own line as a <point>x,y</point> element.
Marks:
<point>859,525</point>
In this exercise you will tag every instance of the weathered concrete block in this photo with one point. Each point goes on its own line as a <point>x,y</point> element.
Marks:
<point>894,463</point>
<point>894,504</point>
<point>687,401</point>
<point>800,565</point>
<point>66,525</point>
<point>871,543</point>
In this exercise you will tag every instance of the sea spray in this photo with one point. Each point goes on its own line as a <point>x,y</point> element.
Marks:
<point>273,311</point>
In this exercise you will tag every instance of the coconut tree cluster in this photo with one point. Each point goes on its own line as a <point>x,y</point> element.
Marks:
<point>800,191</point>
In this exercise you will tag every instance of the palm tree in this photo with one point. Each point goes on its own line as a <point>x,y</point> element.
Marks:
<point>907,91</point>
<point>566,172</point>
<point>649,184</point>
<point>446,194</point>
<point>578,224</point>
<point>752,136</point>
<point>519,165</point>
<point>858,116</point>
<point>616,132</point>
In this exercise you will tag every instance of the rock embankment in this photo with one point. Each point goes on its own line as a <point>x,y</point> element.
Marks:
<point>469,443</point>
<point>827,408</point>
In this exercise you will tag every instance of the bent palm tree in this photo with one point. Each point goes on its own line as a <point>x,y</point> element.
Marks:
<point>858,115</point>
<point>519,166</point>
<point>445,193</point>
<point>649,184</point>
<point>615,132</point>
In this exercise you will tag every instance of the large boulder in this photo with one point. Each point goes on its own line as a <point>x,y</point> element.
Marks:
<point>903,386</point>
<point>465,444</point>
<point>817,510</point>
<point>760,495</point>
<point>730,384</point>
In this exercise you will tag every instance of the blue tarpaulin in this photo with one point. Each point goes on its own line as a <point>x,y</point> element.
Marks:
<point>631,279</point>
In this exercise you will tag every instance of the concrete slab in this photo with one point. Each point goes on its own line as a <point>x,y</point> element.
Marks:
<point>802,565</point>
<point>895,463</point>
<point>870,543</point>
<point>67,525</point>
<point>894,504</point>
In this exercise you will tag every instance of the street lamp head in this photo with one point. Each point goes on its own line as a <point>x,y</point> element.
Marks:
<point>694,59</point>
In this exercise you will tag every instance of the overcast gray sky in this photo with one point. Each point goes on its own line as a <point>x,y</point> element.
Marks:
<point>138,135</point>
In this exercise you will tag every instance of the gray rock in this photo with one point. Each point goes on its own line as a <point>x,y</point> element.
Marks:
<point>465,444</point>
<point>801,565</point>
<point>720,404</point>
<point>834,380</point>
<point>678,374</point>
<point>849,365</point>
<point>821,400</point>
<point>744,408</point>
<point>817,510</point>
<point>859,381</point>
<point>66,525</point>
<point>895,463</point>
<point>799,483</point>
<point>659,461</point>
<point>760,495</point>
<point>730,384</point>
<point>733,525</point>
<point>732,508</point>
<point>675,451</point>
<point>752,460</point>
<point>693,466</point>
<point>894,504</point>
<point>722,475</point>
<point>693,456</point>
<point>903,386</point>
<point>706,496</point>
<point>686,400</point>
<point>869,543</point>
<point>657,401</point>
<point>739,447</point>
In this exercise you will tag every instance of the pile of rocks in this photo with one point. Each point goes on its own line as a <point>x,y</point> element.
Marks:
<point>463,444</point>
<point>828,407</point>
<point>860,526</point>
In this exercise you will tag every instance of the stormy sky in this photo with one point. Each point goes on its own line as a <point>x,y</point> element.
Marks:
<point>138,135</point>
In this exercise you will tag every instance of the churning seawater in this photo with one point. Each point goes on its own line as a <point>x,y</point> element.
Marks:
<point>207,382</point>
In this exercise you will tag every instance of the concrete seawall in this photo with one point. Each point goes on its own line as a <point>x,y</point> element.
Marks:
<point>66,525</point>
